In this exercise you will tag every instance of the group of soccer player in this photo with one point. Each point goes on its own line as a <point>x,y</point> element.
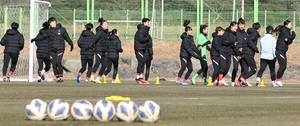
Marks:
<point>234,42</point>
<point>240,45</point>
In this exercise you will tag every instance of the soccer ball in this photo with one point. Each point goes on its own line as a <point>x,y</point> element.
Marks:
<point>127,111</point>
<point>104,110</point>
<point>58,109</point>
<point>36,109</point>
<point>82,110</point>
<point>149,111</point>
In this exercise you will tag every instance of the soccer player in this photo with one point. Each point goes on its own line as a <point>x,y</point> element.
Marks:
<point>13,41</point>
<point>141,40</point>
<point>102,36</point>
<point>241,36</point>
<point>202,41</point>
<point>247,56</point>
<point>267,55</point>
<point>187,50</point>
<point>285,38</point>
<point>87,54</point>
<point>226,50</point>
<point>57,35</point>
<point>214,52</point>
<point>113,49</point>
<point>42,51</point>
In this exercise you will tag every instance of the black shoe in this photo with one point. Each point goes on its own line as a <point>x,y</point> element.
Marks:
<point>8,78</point>
<point>39,80</point>
<point>42,77</point>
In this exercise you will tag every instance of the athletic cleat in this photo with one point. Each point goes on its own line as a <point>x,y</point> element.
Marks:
<point>4,79</point>
<point>224,82</point>
<point>238,83</point>
<point>205,83</point>
<point>143,81</point>
<point>184,83</point>
<point>39,80</point>
<point>243,81</point>
<point>8,78</point>
<point>139,81</point>
<point>58,80</point>
<point>178,82</point>
<point>86,81</point>
<point>215,83</point>
<point>274,84</point>
<point>92,79</point>
<point>78,78</point>
<point>257,83</point>
<point>248,84</point>
<point>232,84</point>
<point>220,83</point>
<point>279,83</point>
<point>193,81</point>
<point>97,81</point>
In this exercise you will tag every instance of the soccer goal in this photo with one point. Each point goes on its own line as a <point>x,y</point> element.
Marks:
<point>30,14</point>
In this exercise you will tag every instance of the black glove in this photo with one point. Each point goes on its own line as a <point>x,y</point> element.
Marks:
<point>151,57</point>
<point>293,34</point>
<point>199,57</point>
<point>206,43</point>
<point>32,40</point>
<point>257,51</point>
<point>72,47</point>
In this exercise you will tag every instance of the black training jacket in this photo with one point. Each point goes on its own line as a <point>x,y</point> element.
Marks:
<point>141,38</point>
<point>250,46</point>
<point>86,38</point>
<point>13,41</point>
<point>100,41</point>
<point>285,33</point>
<point>42,44</point>
<point>216,44</point>
<point>227,43</point>
<point>113,47</point>
<point>149,50</point>
<point>241,36</point>
<point>57,37</point>
<point>188,47</point>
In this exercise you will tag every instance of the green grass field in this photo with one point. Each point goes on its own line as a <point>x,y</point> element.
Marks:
<point>192,105</point>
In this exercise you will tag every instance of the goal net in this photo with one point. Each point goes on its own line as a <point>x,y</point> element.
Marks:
<point>30,14</point>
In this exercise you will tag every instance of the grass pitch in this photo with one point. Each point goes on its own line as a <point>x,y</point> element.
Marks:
<point>192,105</point>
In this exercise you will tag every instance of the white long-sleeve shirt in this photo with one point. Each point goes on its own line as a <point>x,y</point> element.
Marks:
<point>267,47</point>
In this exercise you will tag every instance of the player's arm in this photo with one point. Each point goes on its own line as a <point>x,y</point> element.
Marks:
<point>21,42</point>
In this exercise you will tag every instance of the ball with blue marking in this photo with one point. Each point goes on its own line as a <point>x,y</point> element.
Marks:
<point>36,109</point>
<point>149,111</point>
<point>104,110</point>
<point>127,111</point>
<point>58,109</point>
<point>82,110</point>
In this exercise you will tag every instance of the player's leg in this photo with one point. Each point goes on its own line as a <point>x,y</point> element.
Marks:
<point>215,61</point>
<point>40,69</point>
<point>271,64</point>
<point>90,67</point>
<point>235,69</point>
<point>189,66</point>
<point>183,63</point>
<point>115,62</point>
<point>53,58</point>
<point>102,69</point>
<point>59,58</point>
<point>6,60</point>
<point>98,57</point>
<point>108,65</point>
<point>223,66</point>
<point>263,66</point>
<point>141,63</point>
<point>282,61</point>
<point>14,61</point>
<point>148,65</point>
<point>82,69</point>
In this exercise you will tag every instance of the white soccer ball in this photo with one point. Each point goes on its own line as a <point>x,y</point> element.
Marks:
<point>82,110</point>
<point>36,109</point>
<point>149,111</point>
<point>104,110</point>
<point>58,109</point>
<point>127,111</point>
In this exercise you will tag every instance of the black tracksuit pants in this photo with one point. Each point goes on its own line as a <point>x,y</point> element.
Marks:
<point>215,61</point>
<point>248,61</point>
<point>100,59</point>
<point>225,61</point>
<point>235,69</point>
<point>185,63</point>
<point>204,67</point>
<point>56,61</point>
<point>41,62</point>
<point>140,56</point>
<point>263,66</point>
<point>88,62</point>
<point>282,61</point>
<point>148,65</point>
<point>115,63</point>
<point>7,57</point>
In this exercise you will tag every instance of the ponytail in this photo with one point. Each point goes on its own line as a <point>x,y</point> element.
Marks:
<point>186,25</point>
<point>101,21</point>
<point>277,29</point>
<point>113,32</point>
